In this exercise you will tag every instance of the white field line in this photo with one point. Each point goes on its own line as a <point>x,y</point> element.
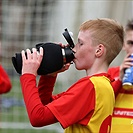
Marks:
<point>26,125</point>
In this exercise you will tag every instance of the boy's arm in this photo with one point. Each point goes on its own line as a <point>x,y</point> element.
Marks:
<point>5,84</point>
<point>35,100</point>
<point>117,85</point>
<point>45,88</point>
<point>39,114</point>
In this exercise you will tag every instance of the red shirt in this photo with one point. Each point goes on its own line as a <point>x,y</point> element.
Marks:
<point>5,84</point>
<point>87,105</point>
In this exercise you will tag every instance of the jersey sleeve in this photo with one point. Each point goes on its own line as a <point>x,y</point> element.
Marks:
<point>77,102</point>
<point>5,83</point>
<point>45,88</point>
<point>39,114</point>
<point>116,84</point>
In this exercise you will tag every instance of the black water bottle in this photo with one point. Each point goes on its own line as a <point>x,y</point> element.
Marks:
<point>53,59</point>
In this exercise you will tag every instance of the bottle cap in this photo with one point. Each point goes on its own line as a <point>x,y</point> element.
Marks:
<point>127,86</point>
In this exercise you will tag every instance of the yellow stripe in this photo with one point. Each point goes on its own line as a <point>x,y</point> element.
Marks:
<point>104,102</point>
<point>122,101</point>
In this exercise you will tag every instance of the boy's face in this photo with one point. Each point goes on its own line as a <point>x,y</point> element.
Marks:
<point>84,51</point>
<point>128,46</point>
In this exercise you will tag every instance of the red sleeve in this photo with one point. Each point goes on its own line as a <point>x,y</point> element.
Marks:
<point>47,82</point>
<point>39,114</point>
<point>116,84</point>
<point>45,88</point>
<point>5,84</point>
<point>75,104</point>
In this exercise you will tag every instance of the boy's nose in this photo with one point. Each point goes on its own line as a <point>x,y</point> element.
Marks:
<point>74,50</point>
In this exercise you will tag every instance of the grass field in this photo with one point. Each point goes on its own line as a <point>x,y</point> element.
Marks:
<point>13,114</point>
<point>25,131</point>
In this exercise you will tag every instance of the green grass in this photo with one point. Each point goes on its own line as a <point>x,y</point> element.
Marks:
<point>13,115</point>
<point>26,131</point>
<point>18,114</point>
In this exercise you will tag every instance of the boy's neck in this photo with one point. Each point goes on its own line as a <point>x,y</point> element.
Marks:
<point>96,69</point>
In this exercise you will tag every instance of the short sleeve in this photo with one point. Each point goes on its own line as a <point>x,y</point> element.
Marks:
<point>77,102</point>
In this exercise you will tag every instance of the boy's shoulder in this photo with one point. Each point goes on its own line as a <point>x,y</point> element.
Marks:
<point>95,76</point>
<point>113,69</point>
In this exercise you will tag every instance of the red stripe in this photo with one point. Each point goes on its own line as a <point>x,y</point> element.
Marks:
<point>126,92</point>
<point>123,113</point>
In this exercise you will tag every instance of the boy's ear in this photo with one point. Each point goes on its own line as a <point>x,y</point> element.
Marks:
<point>100,50</point>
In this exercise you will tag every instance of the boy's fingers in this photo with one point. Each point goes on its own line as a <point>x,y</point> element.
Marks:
<point>41,51</point>
<point>40,54</point>
<point>23,55</point>
<point>34,53</point>
<point>28,54</point>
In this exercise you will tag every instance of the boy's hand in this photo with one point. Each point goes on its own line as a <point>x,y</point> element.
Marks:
<point>127,62</point>
<point>64,68</point>
<point>32,62</point>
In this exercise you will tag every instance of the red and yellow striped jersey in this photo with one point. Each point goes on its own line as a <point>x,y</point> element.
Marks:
<point>87,106</point>
<point>122,121</point>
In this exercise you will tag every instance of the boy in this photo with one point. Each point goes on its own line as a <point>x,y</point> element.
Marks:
<point>123,112</point>
<point>87,106</point>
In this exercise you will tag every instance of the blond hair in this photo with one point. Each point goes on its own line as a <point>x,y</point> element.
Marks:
<point>107,32</point>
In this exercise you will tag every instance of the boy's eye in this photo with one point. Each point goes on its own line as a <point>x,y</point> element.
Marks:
<point>80,44</point>
<point>130,42</point>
